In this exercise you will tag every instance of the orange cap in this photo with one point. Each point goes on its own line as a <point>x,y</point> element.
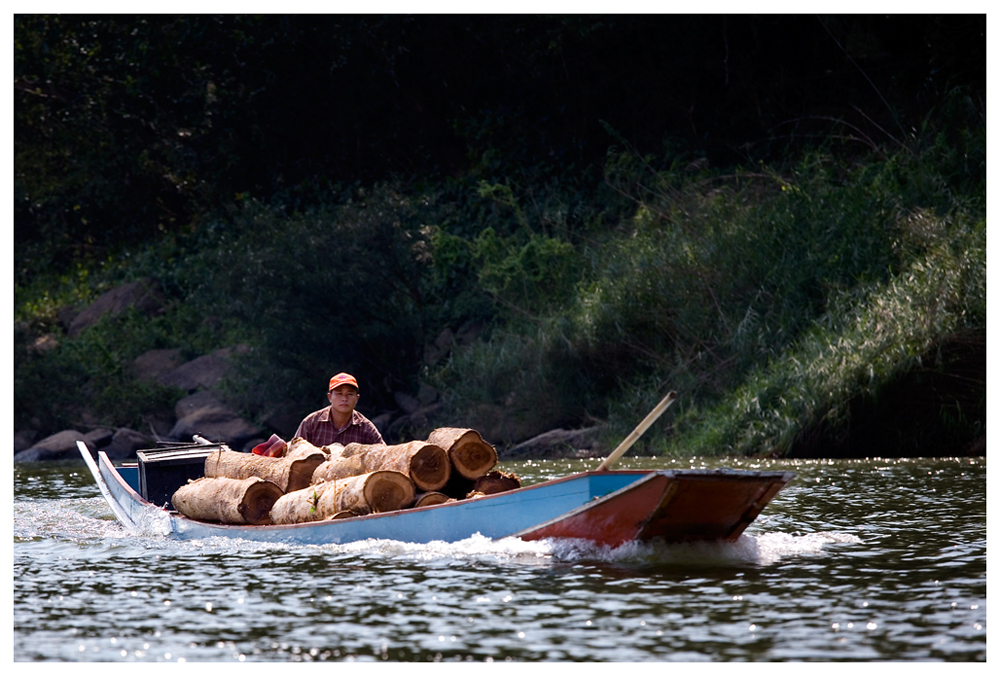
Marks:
<point>342,379</point>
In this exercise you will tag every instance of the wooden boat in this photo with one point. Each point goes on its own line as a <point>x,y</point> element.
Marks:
<point>603,506</point>
<point>608,507</point>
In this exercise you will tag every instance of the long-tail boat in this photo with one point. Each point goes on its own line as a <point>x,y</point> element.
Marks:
<point>603,506</point>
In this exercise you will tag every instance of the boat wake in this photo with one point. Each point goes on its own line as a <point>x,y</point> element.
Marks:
<point>76,519</point>
<point>764,549</point>
<point>87,520</point>
<point>755,550</point>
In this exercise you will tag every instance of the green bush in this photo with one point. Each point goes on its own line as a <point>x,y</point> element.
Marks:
<point>759,294</point>
<point>717,284</point>
<point>88,380</point>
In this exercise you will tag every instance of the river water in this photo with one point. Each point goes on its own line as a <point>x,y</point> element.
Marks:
<point>856,560</point>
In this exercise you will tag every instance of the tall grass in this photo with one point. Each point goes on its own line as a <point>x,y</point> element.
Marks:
<point>871,335</point>
<point>768,298</point>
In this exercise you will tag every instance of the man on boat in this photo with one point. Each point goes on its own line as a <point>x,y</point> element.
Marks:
<point>339,423</point>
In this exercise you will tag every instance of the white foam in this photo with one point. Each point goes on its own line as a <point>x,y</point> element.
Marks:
<point>764,549</point>
<point>87,519</point>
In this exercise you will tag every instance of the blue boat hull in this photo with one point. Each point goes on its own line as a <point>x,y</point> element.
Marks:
<point>530,511</point>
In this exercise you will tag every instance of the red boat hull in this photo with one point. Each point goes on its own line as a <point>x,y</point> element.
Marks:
<point>675,507</point>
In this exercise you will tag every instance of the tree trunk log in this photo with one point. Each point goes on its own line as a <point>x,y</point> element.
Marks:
<point>431,498</point>
<point>338,468</point>
<point>298,506</point>
<point>378,491</point>
<point>225,500</point>
<point>300,448</point>
<point>288,473</point>
<point>495,482</point>
<point>470,456</point>
<point>427,465</point>
<point>381,491</point>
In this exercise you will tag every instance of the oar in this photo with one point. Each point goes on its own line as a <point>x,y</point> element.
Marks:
<point>637,432</point>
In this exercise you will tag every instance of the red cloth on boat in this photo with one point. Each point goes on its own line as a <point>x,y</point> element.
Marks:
<point>272,448</point>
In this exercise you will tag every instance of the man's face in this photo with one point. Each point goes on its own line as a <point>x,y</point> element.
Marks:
<point>344,398</point>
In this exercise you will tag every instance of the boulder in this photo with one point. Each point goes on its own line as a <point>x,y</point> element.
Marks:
<point>204,414</point>
<point>151,365</point>
<point>407,402</point>
<point>439,349</point>
<point>65,316</point>
<point>24,439</point>
<point>126,442</point>
<point>160,422</point>
<point>58,446</point>
<point>99,438</point>
<point>282,418</point>
<point>446,341</point>
<point>35,455</point>
<point>205,399</point>
<point>382,422</point>
<point>204,372</point>
<point>145,295</point>
<point>469,333</point>
<point>411,426</point>
<point>427,395</point>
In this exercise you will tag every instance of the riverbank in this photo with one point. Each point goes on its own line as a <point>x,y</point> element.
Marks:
<point>552,257</point>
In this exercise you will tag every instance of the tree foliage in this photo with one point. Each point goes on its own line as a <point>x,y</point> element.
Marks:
<point>618,201</point>
<point>131,126</point>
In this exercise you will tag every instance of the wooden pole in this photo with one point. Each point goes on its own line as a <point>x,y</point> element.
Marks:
<point>637,432</point>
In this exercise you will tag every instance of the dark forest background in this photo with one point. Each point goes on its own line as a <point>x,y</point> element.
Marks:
<point>782,217</point>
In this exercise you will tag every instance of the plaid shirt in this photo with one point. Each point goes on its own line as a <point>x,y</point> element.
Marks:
<point>318,429</point>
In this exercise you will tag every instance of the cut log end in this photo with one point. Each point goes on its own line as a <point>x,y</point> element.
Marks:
<point>473,460</point>
<point>260,498</point>
<point>495,482</point>
<point>470,455</point>
<point>431,498</point>
<point>388,491</point>
<point>430,468</point>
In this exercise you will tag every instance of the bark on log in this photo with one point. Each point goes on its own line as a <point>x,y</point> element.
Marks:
<point>381,491</point>
<point>470,455</point>
<point>299,447</point>
<point>338,468</point>
<point>298,506</point>
<point>225,500</point>
<point>288,473</point>
<point>426,464</point>
<point>431,498</point>
<point>495,482</point>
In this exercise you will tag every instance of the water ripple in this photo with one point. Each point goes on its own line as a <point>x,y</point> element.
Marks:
<point>855,561</point>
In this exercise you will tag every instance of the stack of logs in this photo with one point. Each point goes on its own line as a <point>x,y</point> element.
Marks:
<point>309,483</point>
